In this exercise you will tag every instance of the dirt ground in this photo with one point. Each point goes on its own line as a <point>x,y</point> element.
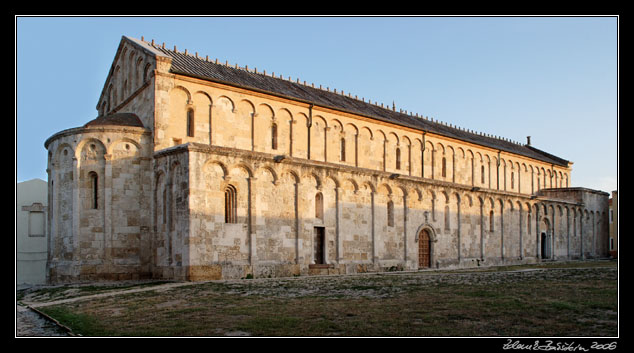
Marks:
<point>115,301</point>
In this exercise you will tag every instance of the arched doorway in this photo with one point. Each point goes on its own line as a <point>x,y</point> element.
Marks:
<point>424,249</point>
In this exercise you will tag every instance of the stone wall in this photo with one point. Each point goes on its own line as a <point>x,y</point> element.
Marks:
<point>371,221</point>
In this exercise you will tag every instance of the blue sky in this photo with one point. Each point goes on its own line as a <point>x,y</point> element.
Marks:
<point>551,78</point>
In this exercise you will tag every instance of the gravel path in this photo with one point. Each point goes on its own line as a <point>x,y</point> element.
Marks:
<point>28,323</point>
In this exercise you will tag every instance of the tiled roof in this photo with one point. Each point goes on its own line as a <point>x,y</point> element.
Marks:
<point>193,66</point>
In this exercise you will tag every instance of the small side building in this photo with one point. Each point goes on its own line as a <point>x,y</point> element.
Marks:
<point>31,249</point>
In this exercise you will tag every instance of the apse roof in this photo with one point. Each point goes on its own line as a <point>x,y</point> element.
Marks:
<point>118,119</point>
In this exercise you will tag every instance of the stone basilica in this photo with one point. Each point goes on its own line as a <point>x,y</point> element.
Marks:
<point>199,170</point>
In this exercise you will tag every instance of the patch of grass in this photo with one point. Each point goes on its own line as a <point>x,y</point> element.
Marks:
<point>561,306</point>
<point>270,325</point>
<point>483,293</point>
<point>80,323</point>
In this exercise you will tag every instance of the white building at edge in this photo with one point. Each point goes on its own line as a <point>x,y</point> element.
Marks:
<point>31,215</point>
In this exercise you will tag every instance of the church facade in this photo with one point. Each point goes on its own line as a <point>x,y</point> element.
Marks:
<point>199,170</point>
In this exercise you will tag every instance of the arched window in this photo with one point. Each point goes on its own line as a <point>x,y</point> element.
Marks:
<point>343,149</point>
<point>231,204</point>
<point>319,206</point>
<point>94,185</point>
<point>398,158</point>
<point>190,122</point>
<point>444,167</point>
<point>491,222</point>
<point>274,136</point>
<point>390,213</point>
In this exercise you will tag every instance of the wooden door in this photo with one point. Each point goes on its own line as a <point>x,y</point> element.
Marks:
<point>424,249</point>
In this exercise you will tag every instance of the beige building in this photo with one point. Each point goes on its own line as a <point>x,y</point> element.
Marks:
<point>198,170</point>
<point>31,207</point>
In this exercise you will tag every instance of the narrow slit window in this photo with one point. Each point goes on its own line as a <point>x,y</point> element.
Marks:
<point>190,122</point>
<point>94,185</point>
<point>528,224</point>
<point>491,222</point>
<point>482,174</point>
<point>231,205</point>
<point>447,218</point>
<point>343,149</point>
<point>146,72</point>
<point>319,206</point>
<point>274,136</point>
<point>398,158</point>
<point>165,206</point>
<point>390,213</point>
